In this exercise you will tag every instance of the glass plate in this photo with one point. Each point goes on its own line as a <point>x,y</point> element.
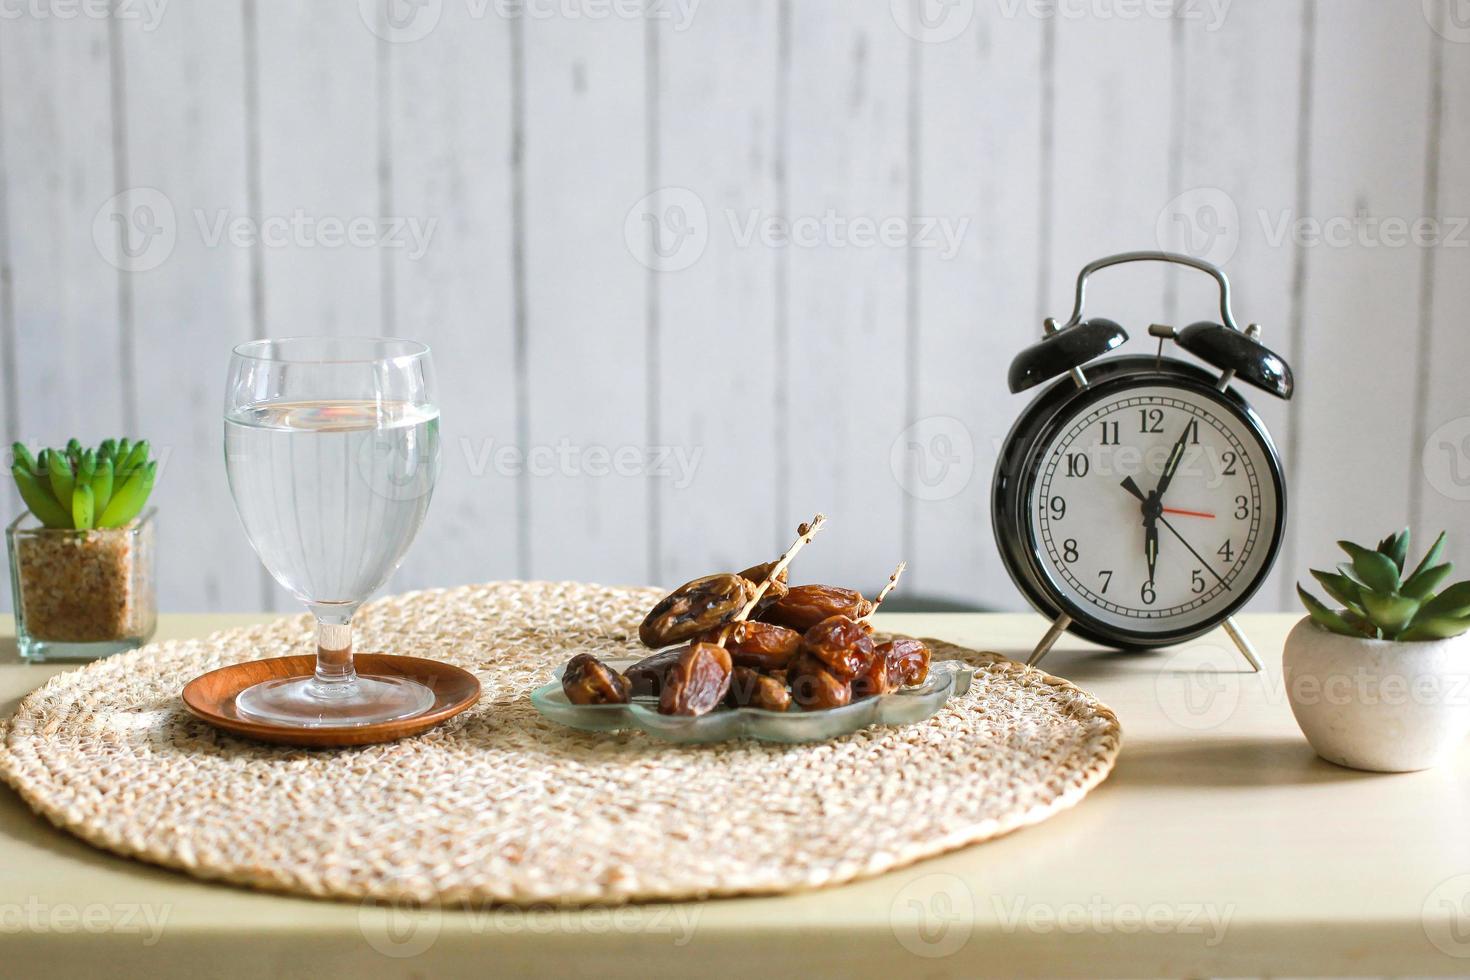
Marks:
<point>947,679</point>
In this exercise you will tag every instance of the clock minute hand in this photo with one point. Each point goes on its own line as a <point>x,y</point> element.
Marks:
<point>1171,466</point>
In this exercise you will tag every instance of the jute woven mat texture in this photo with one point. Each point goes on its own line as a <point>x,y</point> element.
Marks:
<point>501,805</point>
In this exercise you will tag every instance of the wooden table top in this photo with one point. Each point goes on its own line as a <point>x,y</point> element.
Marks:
<point>1219,846</point>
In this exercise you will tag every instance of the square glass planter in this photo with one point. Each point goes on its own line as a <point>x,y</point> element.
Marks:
<point>81,595</point>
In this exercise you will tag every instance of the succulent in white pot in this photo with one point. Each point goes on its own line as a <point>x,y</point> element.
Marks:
<point>1383,683</point>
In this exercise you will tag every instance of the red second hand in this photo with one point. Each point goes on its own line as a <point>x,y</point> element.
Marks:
<point>1188,513</point>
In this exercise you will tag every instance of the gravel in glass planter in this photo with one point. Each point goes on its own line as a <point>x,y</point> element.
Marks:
<point>80,595</point>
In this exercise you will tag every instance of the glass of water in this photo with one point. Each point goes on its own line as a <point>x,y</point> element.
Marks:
<point>332,450</point>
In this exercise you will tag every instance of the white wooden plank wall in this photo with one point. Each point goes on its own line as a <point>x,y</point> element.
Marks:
<point>449,125</point>
<point>637,245</point>
<point>1355,458</point>
<point>185,313</point>
<point>717,326</point>
<point>1441,442</point>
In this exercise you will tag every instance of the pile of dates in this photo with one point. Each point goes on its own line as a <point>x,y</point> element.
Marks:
<point>803,646</point>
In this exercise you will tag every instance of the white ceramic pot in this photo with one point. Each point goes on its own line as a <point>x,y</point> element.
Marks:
<point>1380,705</point>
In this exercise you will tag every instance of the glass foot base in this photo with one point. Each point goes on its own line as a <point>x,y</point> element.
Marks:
<point>305,702</point>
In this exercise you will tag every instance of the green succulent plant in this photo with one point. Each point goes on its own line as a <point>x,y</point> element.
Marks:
<point>85,489</point>
<point>1381,601</point>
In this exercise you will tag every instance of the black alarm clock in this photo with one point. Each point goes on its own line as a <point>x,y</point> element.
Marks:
<point>1142,502</point>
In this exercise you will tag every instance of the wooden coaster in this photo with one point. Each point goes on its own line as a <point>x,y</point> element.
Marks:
<point>211,697</point>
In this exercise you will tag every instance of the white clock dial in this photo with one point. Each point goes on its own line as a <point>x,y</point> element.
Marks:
<point>1097,492</point>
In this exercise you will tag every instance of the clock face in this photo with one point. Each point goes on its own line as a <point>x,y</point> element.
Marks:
<point>1154,509</point>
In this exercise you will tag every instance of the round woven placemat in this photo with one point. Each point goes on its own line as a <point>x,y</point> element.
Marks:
<point>501,805</point>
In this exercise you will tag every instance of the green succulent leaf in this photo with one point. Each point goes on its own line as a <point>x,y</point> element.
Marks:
<point>1373,568</point>
<point>1431,557</point>
<point>1437,629</point>
<point>62,481</point>
<point>38,498</point>
<point>1452,603</point>
<point>102,484</point>
<point>1421,584</point>
<point>23,456</point>
<point>1326,618</point>
<point>1390,613</point>
<point>81,507</point>
<point>1341,588</point>
<point>1396,547</point>
<point>128,499</point>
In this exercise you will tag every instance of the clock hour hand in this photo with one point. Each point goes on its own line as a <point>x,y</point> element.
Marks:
<point>1150,524</point>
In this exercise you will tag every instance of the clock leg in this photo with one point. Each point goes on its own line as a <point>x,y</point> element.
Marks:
<point>1241,643</point>
<point>1050,639</point>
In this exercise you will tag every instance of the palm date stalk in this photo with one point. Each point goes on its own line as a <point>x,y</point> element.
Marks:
<point>887,588</point>
<point>805,533</point>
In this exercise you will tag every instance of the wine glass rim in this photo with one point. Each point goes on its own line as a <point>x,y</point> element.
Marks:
<point>261,350</point>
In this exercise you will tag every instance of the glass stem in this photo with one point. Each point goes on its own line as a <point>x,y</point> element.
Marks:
<point>335,676</point>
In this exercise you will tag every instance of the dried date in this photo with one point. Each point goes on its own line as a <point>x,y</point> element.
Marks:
<point>762,646</point>
<point>756,574</point>
<point>693,608</point>
<point>873,681</point>
<point>814,688</point>
<point>804,606</point>
<point>844,647</point>
<point>907,661</point>
<point>697,682</point>
<point>750,688</point>
<point>647,675</point>
<point>587,680</point>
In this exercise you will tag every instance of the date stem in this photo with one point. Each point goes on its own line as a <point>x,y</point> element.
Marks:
<point>805,534</point>
<point>889,587</point>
